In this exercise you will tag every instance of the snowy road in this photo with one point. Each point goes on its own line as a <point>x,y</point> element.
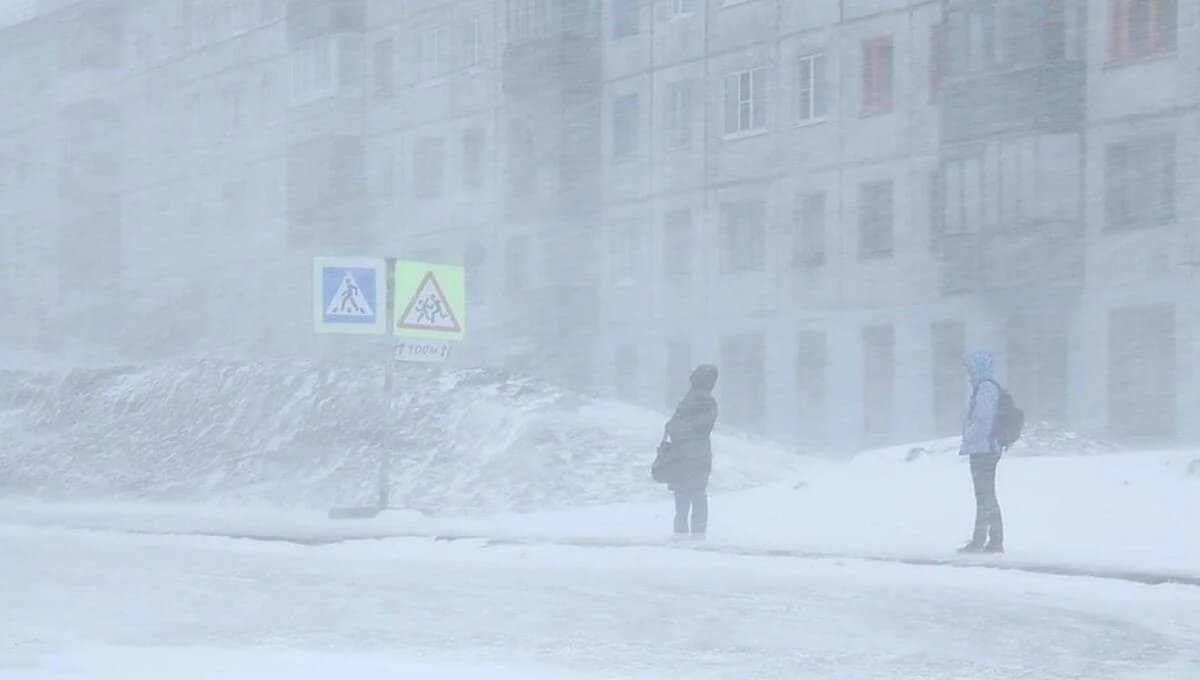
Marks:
<point>99,605</point>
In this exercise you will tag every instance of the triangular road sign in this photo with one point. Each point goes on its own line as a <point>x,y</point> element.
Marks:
<point>349,300</point>
<point>429,310</point>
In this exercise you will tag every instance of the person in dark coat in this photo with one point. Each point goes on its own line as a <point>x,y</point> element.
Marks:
<point>688,434</point>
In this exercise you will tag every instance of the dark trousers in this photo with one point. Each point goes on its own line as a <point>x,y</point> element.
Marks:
<point>989,525</point>
<point>694,503</point>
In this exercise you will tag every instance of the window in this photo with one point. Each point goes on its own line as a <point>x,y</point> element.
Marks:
<point>625,18</point>
<point>879,383</point>
<point>429,56</point>
<point>743,236</point>
<point>383,172</point>
<point>683,8</point>
<point>326,65</point>
<point>875,237</point>
<point>234,109</point>
<point>1140,28</point>
<point>1140,189</point>
<point>877,76</point>
<point>625,126</point>
<point>679,367</point>
<point>937,206</point>
<point>270,10</point>
<point>429,167</point>
<point>809,246</point>
<point>625,252</point>
<point>812,382</point>
<point>746,101</point>
<point>679,114</point>
<point>472,158</point>
<point>1143,373</point>
<point>529,20</point>
<point>937,57</point>
<point>518,261</point>
<point>473,39</point>
<point>625,373</point>
<point>812,89</point>
<point>383,67</point>
<point>948,341</point>
<point>473,260</point>
<point>677,244</point>
<point>233,202</point>
<point>743,381</point>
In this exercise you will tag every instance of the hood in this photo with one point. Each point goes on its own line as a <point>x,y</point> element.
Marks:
<point>979,366</point>
<point>704,377</point>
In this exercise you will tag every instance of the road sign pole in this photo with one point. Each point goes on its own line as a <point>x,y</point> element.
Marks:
<point>389,384</point>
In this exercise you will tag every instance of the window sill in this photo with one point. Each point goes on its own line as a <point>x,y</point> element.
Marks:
<point>812,122</point>
<point>874,113</point>
<point>877,256</point>
<point>679,18</point>
<point>747,134</point>
<point>1135,227</point>
<point>436,81</point>
<point>1116,63</point>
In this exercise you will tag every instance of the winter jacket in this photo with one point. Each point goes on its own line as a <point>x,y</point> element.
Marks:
<point>689,431</point>
<point>977,437</point>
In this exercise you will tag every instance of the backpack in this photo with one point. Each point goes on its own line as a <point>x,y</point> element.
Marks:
<point>1008,421</point>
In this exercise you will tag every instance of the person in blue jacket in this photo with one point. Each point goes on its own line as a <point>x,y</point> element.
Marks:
<point>979,443</point>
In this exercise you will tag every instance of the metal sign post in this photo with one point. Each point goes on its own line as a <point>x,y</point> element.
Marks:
<point>422,304</point>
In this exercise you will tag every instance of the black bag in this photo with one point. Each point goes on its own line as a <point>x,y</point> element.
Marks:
<point>664,468</point>
<point>1009,420</point>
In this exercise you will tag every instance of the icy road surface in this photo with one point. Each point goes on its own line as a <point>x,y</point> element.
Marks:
<point>105,606</point>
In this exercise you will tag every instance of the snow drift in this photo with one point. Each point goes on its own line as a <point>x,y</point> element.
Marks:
<point>308,435</point>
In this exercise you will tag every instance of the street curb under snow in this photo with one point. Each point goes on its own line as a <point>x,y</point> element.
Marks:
<point>499,540</point>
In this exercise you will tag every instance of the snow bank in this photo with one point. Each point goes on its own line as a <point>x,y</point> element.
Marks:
<point>305,435</point>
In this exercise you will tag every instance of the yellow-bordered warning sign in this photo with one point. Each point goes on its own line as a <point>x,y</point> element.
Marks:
<point>430,301</point>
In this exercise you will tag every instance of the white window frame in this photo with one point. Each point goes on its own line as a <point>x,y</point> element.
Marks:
<point>749,115</point>
<point>812,102</point>
<point>429,54</point>
<point>624,147</point>
<point>319,67</point>
<point>682,9</point>
<point>475,44</point>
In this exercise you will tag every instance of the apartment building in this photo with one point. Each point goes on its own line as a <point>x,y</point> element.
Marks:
<point>767,173</point>
<point>833,201</point>
<point>830,200</point>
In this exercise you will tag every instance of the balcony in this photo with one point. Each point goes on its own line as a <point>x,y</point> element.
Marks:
<point>1045,255</point>
<point>1040,98</point>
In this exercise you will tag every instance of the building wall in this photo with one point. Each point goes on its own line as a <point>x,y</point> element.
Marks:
<point>214,97</point>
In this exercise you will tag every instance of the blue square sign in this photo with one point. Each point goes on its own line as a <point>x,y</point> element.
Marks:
<point>348,295</point>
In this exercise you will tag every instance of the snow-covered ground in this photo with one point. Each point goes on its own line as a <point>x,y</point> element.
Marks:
<point>102,606</point>
<point>1130,511</point>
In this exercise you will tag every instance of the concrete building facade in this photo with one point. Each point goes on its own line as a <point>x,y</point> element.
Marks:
<point>830,200</point>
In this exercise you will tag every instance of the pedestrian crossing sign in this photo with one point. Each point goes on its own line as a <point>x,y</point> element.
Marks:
<point>430,301</point>
<point>349,295</point>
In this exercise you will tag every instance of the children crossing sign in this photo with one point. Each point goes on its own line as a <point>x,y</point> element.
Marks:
<point>430,301</point>
<point>349,295</point>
